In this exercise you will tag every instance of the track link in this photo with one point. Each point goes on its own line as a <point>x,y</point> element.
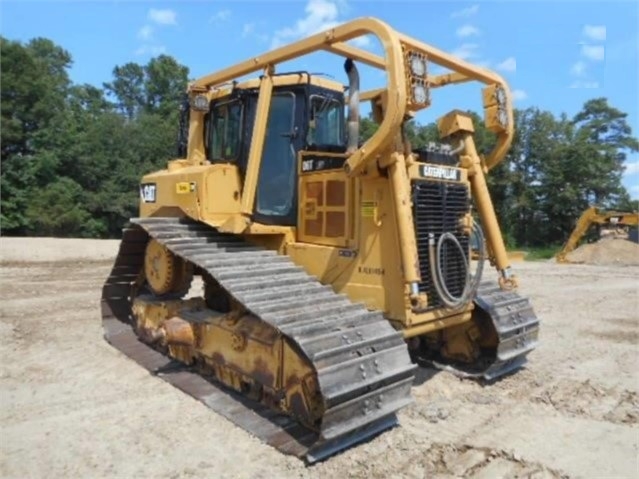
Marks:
<point>517,327</point>
<point>512,318</point>
<point>362,364</point>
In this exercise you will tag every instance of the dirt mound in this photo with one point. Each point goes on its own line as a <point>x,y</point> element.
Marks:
<point>607,251</point>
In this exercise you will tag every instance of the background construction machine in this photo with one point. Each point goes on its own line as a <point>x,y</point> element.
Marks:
<point>610,223</point>
<point>329,267</point>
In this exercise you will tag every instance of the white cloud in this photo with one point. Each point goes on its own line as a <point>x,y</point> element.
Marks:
<point>162,17</point>
<point>248,29</point>
<point>221,16</point>
<point>146,32</point>
<point>466,51</point>
<point>320,15</point>
<point>584,84</point>
<point>593,52</point>
<point>519,95</point>
<point>632,168</point>
<point>251,30</point>
<point>595,32</point>
<point>589,53</point>
<point>508,65</point>
<point>578,69</point>
<point>152,50</point>
<point>465,12</point>
<point>361,42</point>
<point>467,31</point>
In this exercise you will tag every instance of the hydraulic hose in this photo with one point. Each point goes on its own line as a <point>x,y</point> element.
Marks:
<point>455,301</point>
<point>471,281</point>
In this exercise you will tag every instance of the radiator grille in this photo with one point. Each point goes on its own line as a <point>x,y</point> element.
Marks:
<point>437,208</point>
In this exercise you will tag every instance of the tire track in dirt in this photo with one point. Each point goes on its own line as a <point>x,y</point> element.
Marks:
<point>618,336</point>
<point>412,457</point>
<point>485,463</point>
<point>569,397</point>
<point>585,399</point>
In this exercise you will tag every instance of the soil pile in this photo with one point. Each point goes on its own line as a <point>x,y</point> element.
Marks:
<point>607,251</point>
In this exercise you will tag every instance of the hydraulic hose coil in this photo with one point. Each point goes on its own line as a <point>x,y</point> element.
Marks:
<point>471,282</point>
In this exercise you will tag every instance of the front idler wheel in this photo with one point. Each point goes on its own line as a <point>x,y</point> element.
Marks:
<point>166,273</point>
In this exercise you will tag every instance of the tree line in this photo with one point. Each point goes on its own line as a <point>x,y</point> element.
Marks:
<point>72,154</point>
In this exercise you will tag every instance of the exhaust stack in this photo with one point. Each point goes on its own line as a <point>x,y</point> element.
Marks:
<point>353,105</point>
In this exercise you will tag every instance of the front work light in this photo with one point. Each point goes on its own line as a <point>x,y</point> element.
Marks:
<point>200,103</point>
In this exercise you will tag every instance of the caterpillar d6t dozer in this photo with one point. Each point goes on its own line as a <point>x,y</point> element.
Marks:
<point>326,268</point>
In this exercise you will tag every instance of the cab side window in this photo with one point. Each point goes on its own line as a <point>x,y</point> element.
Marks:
<point>326,125</point>
<point>225,131</point>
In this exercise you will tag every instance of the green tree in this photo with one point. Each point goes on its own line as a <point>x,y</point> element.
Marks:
<point>72,155</point>
<point>165,85</point>
<point>535,146</point>
<point>71,159</point>
<point>57,210</point>
<point>367,128</point>
<point>34,88</point>
<point>128,88</point>
<point>155,88</point>
<point>604,138</point>
<point>583,167</point>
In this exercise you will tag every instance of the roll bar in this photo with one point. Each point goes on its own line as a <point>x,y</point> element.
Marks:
<point>396,46</point>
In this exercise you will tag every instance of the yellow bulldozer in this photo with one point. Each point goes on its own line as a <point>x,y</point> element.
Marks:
<point>611,223</point>
<point>293,277</point>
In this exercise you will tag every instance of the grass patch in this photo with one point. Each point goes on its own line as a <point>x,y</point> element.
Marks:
<point>541,252</point>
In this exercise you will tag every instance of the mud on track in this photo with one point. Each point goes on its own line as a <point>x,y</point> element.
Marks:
<point>71,406</point>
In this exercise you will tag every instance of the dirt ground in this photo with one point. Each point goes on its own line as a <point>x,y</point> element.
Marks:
<point>72,406</point>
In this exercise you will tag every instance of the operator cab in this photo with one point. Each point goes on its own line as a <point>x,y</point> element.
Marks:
<point>306,114</point>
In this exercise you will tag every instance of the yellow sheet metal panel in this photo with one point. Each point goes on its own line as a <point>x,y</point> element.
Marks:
<point>222,191</point>
<point>323,217</point>
<point>325,200</point>
<point>176,187</point>
<point>453,122</point>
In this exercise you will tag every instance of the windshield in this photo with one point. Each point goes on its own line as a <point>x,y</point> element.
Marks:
<point>326,122</point>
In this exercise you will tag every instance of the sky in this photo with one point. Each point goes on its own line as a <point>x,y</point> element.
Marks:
<point>554,55</point>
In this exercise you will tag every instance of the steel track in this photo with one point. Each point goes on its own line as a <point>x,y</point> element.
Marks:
<point>512,318</point>
<point>362,363</point>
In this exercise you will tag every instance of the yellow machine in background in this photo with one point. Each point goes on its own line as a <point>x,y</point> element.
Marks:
<point>329,266</point>
<point>597,216</point>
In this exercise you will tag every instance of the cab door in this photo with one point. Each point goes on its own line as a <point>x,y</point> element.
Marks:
<point>276,195</point>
